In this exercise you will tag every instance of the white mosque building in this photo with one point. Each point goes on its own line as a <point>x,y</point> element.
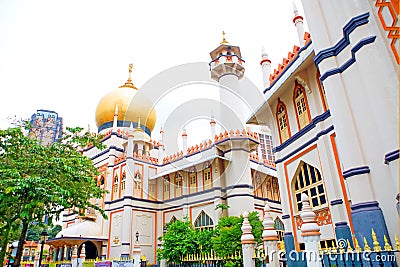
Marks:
<point>331,108</point>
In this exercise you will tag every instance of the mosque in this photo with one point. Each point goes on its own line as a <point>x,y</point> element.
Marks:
<point>331,112</point>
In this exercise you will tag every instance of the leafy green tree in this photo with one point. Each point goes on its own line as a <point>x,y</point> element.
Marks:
<point>37,181</point>
<point>226,240</point>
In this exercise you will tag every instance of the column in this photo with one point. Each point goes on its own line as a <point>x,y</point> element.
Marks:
<point>310,232</point>
<point>270,238</point>
<point>247,241</point>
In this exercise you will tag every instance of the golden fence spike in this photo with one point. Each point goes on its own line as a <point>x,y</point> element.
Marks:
<point>397,242</point>
<point>333,249</point>
<point>387,245</point>
<point>366,246</point>
<point>356,245</point>
<point>349,248</point>
<point>375,242</point>
<point>320,248</point>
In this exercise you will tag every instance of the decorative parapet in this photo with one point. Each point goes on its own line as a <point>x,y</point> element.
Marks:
<point>235,134</point>
<point>286,61</point>
<point>323,217</point>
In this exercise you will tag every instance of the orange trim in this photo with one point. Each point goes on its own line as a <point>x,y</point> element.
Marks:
<point>175,184</point>
<point>343,186</point>
<point>155,183</point>
<point>296,18</point>
<point>197,183</point>
<point>303,92</point>
<point>109,231</point>
<point>121,171</point>
<point>115,170</point>
<point>288,187</point>
<point>203,174</point>
<point>280,103</point>
<point>141,178</point>
<point>195,206</point>
<point>265,60</point>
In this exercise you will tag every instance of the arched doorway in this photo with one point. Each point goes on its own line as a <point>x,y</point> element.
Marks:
<point>91,250</point>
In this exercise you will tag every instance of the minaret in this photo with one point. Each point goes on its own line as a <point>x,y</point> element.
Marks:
<point>212,124</point>
<point>184,142</point>
<point>298,22</point>
<point>266,67</point>
<point>227,68</point>
<point>160,155</point>
<point>115,122</point>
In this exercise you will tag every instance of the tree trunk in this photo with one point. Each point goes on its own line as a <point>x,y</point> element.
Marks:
<point>4,243</point>
<point>21,242</point>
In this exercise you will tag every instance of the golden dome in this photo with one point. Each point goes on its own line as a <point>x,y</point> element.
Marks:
<point>132,106</point>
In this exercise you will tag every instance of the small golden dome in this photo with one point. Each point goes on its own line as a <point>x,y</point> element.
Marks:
<point>131,107</point>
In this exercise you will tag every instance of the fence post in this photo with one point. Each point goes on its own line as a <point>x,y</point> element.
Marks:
<point>270,238</point>
<point>310,232</point>
<point>36,260</point>
<point>74,257</point>
<point>136,254</point>
<point>247,241</point>
<point>82,257</point>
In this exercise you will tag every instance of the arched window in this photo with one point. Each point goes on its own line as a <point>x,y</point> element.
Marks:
<point>258,186</point>
<point>203,222</point>
<point>301,106</point>
<point>152,190</point>
<point>101,182</point>
<point>207,178</point>
<point>178,184</point>
<point>123,183</point>
<point>321,90</point>
<point>308,180</point>
<point>115,187</point>
<point>280,228</point>
<point>192,177</point>
<point>283,122</point>
<point>137,182</point>
<point>275,189</point>
<point>173,219</point>
<point>166,187</point>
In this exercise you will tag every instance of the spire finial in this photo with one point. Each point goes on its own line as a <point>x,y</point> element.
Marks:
<point>224,41</point>
<point>129,83</point>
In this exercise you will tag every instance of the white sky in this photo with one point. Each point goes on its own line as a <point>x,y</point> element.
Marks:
<point>65,55</point>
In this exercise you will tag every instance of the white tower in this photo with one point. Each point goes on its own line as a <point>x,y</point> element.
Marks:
<point>266,67</point>
<point>227,68</point>
<point>298,22</point>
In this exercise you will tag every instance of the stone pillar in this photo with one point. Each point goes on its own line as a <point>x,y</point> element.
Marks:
<point>82,257</point>
<point>136,254</point>
<point>55,254</point>
<point>247,241</point>
<point>60,254</point>
<point>310,232</point>
<point>67,252</point>
<point>270,238</point>
<point>74,257</point>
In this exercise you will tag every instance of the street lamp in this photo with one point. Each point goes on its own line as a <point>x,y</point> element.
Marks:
<point>43,239</point>
<point>137,236</point>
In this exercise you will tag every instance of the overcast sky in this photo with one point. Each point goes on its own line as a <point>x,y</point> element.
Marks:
<point>65,55</point>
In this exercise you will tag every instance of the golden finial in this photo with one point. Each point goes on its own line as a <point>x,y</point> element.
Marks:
<point>356,245</point>
<point>129,83</point>
<point>387,245</point>
<point>349,248</point>
<point>375,242</point>
<point>397,242</point>
<point>224,41</point>
<point>366,246</point>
